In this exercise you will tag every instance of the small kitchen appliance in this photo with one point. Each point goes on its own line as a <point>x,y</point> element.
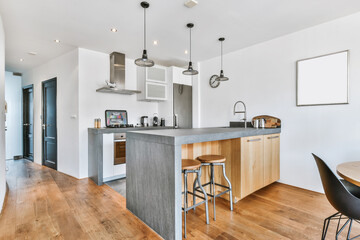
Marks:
<point>155,120</point>
<point>144,121</point>
<point>162,123</point>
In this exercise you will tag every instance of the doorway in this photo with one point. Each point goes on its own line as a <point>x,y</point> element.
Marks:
<point>49,125</point>
<point>28,120</point>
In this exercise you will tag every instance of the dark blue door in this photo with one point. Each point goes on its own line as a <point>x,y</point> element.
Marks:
<point>49,128</point>
<point>28,128</point>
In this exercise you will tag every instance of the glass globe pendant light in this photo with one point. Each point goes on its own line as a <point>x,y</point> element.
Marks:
<point>221,78</point>
<point>190,70</point>
<point>144,61</point>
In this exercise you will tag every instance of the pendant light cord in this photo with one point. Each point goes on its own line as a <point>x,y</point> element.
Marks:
<point>190,44</point>
<point>144,28</point>
<point>221,55</point>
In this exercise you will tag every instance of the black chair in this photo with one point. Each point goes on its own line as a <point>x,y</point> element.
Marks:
<point>343,196</point>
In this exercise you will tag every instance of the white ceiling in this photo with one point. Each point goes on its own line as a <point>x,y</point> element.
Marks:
<point>32,25</point>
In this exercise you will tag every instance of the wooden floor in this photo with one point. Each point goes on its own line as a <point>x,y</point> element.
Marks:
<point>45,204</point>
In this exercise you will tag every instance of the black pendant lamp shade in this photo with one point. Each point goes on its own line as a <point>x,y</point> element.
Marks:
<point>144,61</point>
<point>222,77</point>
<point>190,70</point>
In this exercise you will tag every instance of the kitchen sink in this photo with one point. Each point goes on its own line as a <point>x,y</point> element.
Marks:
<point>239,125</point>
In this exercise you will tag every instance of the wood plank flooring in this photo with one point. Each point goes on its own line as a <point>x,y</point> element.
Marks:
<point>45,204</point>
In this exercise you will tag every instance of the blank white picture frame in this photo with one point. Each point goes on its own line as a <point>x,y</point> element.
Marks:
<point>323,80</point>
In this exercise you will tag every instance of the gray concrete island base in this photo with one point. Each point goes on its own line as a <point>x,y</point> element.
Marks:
<point>153,172</point>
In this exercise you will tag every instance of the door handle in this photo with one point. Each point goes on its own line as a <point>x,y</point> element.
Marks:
<point>273,137</point>
<point>43,126</point>
<point>254,140</point>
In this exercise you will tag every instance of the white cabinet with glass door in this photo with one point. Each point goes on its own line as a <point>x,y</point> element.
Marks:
<point>152,82</point>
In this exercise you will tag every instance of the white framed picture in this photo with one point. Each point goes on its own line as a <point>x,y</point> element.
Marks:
<point>323,80</point>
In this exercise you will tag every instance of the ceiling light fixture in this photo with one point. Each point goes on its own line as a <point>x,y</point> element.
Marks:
<point>21,59</point>
<point>57,40</point>
<point>186,52</point>
<point>144,61</point>
<point>190,70</point>
<point>32,53</point>
<point>113,30</point>
<point>222,78</point>
<point>156,43</point>
<point>190,3</point>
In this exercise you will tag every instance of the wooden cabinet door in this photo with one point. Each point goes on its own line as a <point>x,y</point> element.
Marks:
<point>271,158</point>
<point>252,164</point>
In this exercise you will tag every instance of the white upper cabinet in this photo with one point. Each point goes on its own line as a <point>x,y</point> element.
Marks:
<point>152,82</point>
<point>178,77</point>
<point>156,74</point>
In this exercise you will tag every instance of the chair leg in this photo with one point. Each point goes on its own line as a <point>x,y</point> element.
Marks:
<point>211,181</point>
<point>205,196</point>
<point>185,201</point>
<point>341,229</point>
<point>337,228</point>
<point>326,224</point>
<point>349,232</point>
<point>325,228</point>
<point>213,189</point>
<point>194,187</point>
<point>230,188</point>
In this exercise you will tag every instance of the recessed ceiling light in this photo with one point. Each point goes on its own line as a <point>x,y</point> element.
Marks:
<point>155,42</point>
<point>186,51</point>
<point>113,30</point>
<point>32,53</point>
<point>21,59</point>
<point>190,3</point>
<point>57,40</point>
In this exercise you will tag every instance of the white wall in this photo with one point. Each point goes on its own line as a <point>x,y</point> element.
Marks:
<point>264,77</point>
<point>65,69</point>
<point>2,116</point>
<point>94,69</point>
<point>13,97</point>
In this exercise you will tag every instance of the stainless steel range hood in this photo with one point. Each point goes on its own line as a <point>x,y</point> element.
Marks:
<point>117,76</point>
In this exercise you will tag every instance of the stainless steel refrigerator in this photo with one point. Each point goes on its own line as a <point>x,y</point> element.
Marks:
<point>182,96</point>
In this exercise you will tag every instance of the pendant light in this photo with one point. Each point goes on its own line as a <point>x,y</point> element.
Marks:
<point>222,78</point>
<point>190,70</point>
<point>144,61</point>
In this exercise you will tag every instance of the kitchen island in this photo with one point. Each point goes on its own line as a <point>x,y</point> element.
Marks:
<point>154,179</point>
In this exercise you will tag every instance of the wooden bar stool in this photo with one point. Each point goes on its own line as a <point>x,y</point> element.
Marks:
<point>193,166</point>
<point>214,160</point>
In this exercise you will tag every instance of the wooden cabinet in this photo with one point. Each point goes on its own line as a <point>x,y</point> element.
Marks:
<point>252,164</point>
<point>271,158</point>
<point>152,82</point>
<point>260,162</point>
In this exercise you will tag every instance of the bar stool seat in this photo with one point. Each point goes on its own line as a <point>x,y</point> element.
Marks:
<point>193,166</point>
<point>190,164</point>
<point>212,159</point>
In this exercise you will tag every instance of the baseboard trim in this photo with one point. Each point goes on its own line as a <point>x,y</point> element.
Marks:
<point>116,177</point>
<point>5,198</point>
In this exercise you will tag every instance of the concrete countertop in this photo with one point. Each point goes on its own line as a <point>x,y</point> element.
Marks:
<point>195,135</point>
<point>123,130</point>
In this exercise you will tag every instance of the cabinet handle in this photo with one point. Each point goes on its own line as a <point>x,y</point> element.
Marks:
<point>273,137</point>
<point>254,140</point>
